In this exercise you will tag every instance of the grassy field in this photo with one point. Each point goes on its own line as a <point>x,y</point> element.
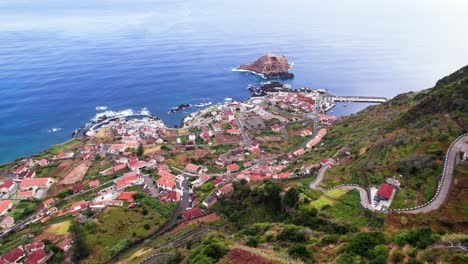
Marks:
<point>329,198</point>
<point>117,224</point>
<point>59,228</point>
<point>58,148</point>
<point>347,208</point>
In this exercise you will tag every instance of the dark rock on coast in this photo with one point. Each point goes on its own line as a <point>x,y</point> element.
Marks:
<point>270,66</point>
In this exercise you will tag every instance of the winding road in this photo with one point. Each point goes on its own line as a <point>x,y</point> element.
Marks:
<point>443,188</point>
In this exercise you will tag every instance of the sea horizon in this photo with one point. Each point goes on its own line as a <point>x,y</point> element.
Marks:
<point>59,61</point>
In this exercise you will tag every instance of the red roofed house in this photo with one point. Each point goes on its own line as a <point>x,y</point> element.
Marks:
<point>298,152</point>
<point>66,244</point>
<point>385,192</point>
<point>218,180</point>
<point>122,166</point>
<point>128,196</point>
<point>193,168</point>
<point>276,128</point>
<point>77,188</point>
<point>35,183</point>
<point>323,161</point>
<point>192,213</point>
<point>128,179</point>
<point>15,255</point>
<point>7,186</point>
<point>283,175</point>
<point>33,247</point>
<point>37,257</point>
<point>233,131</point>
<point>5,205</point>
<point>48,202</point>
<point>94,184</point>
<point>225,189</point>
<point>166,181</point>
<point>220,162</point>
<point>7,222</point>
<point>20,169</point>
<point>232,167</point>
<point>27,174</point>
<point>173,196</point>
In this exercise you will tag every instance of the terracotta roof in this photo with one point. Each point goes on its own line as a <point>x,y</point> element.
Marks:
<point>26,174</point>
<point>34,182</point>
<point>8,220</point>
<point>226,189</point>
<point>34,246</point>
<point>192,167</point>
<point>192,213</point>
<point>233,167</point>
<point>119,167</point>
<point>94,183</point>
<point>14,255</point>
<point>20,169</point>
<point>7,184</point>
<point>77,188</point>
<point>48,202</point>
<point>36,257</point>
<point>127,180</point>
<point>128,196</point>
<point>385,190</point>
<point>218,180</point>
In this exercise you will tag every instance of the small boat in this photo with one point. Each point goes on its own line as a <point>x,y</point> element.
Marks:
<point>53,130</point>
<point>203,104</point>
<point>101,108</point>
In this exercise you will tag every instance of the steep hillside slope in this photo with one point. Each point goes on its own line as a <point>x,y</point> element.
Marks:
<point>406,137</point>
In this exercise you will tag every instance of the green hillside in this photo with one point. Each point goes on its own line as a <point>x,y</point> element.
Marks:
<point>406,136</point>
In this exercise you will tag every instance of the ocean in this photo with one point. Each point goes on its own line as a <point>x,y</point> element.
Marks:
<point>60,60</point>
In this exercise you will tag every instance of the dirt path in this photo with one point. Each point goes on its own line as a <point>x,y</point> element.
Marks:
<point>77,173</point>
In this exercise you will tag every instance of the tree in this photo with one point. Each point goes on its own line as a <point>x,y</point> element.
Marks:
<point>80,249</point>
<point>397,256</point>
<point>291,197</point>
<point>299,251</point>
<point>363,243</point>
<point>140,150</point>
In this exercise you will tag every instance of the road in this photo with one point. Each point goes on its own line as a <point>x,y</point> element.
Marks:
<point>443,188</point>
<point>245,136</point>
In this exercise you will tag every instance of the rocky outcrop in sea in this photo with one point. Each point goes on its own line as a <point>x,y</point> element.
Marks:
<point>270,66</point>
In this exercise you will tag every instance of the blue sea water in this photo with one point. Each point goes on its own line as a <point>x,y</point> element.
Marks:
<point>59,60</point>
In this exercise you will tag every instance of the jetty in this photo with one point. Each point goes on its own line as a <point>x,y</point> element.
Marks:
<point>358,99</point>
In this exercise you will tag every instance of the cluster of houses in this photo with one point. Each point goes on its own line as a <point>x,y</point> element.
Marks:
<point>28,254</point>
<point>293,101</point>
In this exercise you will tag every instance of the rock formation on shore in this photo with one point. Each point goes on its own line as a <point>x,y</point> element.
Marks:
<point>270,66</point>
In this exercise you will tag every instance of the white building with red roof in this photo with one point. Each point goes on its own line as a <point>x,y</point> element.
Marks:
<point>20,169</point>
<point>5,205</point>
<point>127,180</point>
<point>7,222</point>
<point>15,255</point>
<point>36,183</point>
<point>37,257</point>
<point>233,168</point>
<point>193,168</point>
<point>7,187</point>
<point>34,247</point>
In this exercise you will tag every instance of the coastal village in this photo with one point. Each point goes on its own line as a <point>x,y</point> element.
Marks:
<point>193,166</point>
